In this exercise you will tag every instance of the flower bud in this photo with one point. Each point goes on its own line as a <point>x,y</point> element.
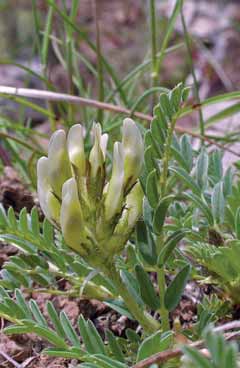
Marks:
<point>96,216</point>
<point>71,217</point>
<point>96,157</point>
<point>132,211</point>
<point>103,144</point>
<point>49,203</point>
<point>129,218</point>
<point>75,145</point>
<point>133,152</point>
<point>114,196</point>
<point>59,169</point>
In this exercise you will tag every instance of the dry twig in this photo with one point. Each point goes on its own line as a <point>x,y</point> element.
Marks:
<point>52,96</point>
<point>166,355</point>
<point>10,360</point>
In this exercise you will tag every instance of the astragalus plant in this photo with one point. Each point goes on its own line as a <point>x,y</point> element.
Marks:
<point>104,231</point>
<point>124,225</point>
<point>95,212</point>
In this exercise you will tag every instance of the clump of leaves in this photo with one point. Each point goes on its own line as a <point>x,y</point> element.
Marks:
<point>212,215</point>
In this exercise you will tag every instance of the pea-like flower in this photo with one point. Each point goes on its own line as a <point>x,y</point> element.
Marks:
<point>95,213</point>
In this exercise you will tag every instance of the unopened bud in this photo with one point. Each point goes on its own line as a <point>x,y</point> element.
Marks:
<point>96,157</point>
<point>75,145</point>
<point>96,216</point>
<point>133,149</point>
<point>50,205</point>
<point>103,144</point>
<point>114,196</point>
<point>71,217</point>
<point>59,167</point>
<point>132,211</point>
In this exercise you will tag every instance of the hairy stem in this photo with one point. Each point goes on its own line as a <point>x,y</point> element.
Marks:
<point>148,323</point>
<point>163,311</point>
<point>163,186</point>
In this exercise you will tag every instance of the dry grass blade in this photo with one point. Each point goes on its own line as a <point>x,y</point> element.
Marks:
<point>53,96</point>
<point>10,360</point>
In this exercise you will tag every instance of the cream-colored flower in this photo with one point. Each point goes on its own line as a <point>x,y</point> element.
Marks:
<point>132,210</point>
<point>114,196</point>
<point>75,146</point>
<point>49,203</point>
<point>95,213</point>
<point>71,217</point>
<point>59,169</point>
<point>133,149</point>
<point>96,157</point>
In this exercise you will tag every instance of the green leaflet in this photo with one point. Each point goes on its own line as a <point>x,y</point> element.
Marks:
<point>91,338</point>
<point>218,203</point>
<point>146,243</point>
<point>202,170</point>
<point>69,330</point>
<point>147,290</point>
<point>186,178</point>
<point>186,151</point>
<point>170,245</point>
<point>237,223</point>
<point>200,203</point>
<point>65,353</point>
<point>55,319</point>
<point>160,213</point>
<point>115,346</point>
<point>152,188</point>
<point>175,289</point>
<point>153,344</point>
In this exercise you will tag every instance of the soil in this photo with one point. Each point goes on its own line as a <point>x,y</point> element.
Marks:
<point>13,193</point>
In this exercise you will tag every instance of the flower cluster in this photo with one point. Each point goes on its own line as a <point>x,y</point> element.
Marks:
<point>95,214</point>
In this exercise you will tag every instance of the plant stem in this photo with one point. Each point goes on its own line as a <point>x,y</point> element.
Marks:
<point>164,314</point>
<point>163,186</point>
<point>44,60</point>
<point>152,11</point>
<point>99,62</point>
<point>70,52</point>
<point>168,33</point>
<point>148,323</point>
<point>163,311</point>
<point>196,84</point>
<point>91,291</point>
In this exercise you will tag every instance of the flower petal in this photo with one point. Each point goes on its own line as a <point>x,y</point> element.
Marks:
<point>103,144</point>
<point>75,145</point>
<point>133,152</point>
<point>96,157</point>
<point>114,196</point>
<point>48,202</point>
<point>132,211</point>
<point>71,217</point>
<point>59,165</point>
